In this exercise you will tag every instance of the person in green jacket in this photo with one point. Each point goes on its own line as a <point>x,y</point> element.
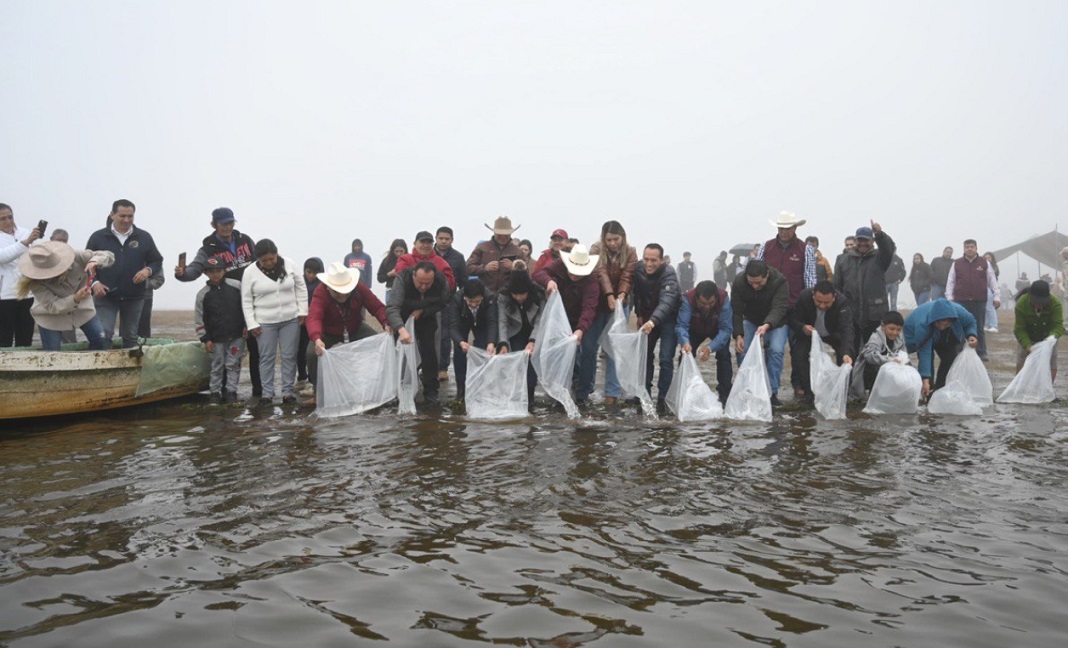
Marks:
<point>1038,316</point>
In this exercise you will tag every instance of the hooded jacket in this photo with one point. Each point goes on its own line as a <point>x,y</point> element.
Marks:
<point>921,334</point>
<point>1034,326</point>
<point>876,352</point>
<point>509,317</point>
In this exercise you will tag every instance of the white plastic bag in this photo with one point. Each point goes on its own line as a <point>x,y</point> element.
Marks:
<point>554,353</point>
<point>496,384</point>
<point>955,399</point>
<point>897,388</point>
<point>829,382</point>
<point>1034,383</point>
<point>356,377</point>
<point>689,396</point>
<point>407,361</point>
<point>750,397</point>
<point>968,371</point>
<point>629,350</point>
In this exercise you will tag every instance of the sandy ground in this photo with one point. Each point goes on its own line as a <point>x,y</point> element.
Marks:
<point>1002,348</point>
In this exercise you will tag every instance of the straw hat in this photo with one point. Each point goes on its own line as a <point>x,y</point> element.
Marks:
<point>788,219</point>
<point>503,225</point>
<point>579,261</point>
<point>46,260</point>
<point>339,278</point>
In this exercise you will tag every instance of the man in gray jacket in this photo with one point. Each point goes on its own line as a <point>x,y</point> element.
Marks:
<point>861,275</point>
<point>420,292</point>
<point>656,303</point>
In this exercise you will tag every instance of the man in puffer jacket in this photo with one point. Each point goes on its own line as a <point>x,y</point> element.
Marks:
<point>938,327</point>
<point>861,275</point>
<point>656,303</point>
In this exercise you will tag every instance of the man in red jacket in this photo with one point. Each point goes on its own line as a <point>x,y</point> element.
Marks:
<point>336,313</point>
<point>423,250</point>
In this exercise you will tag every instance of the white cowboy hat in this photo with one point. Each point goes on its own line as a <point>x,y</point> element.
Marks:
<point>339,278</point>
<point>579,261</point>
<point>503,225</point>
<point>46,260</point>
<point>788,219</point>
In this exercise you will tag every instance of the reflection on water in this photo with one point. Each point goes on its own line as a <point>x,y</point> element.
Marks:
<point>224,527</point>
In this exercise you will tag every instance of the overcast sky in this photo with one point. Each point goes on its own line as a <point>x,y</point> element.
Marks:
<point>692,123</point>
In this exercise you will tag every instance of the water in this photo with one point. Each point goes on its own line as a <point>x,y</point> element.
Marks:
<point>188,525</point>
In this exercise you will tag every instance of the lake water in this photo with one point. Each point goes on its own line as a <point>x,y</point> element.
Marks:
<point>184,525</point>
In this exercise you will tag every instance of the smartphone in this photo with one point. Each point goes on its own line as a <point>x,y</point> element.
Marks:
<point>42,225</point>
<point>181,259</point>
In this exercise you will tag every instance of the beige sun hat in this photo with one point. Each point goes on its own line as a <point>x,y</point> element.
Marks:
<point>503,225</point>
<point>339,278</point>
<point>579,261</point>
<point>46,260</point>
<point>788,219</point>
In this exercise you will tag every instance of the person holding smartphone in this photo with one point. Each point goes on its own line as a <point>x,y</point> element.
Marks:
<point>491,261</point>
<point>16,323</point>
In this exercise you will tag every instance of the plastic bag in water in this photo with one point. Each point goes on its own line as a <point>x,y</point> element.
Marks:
<point>554,353</point>
<point>1034,383</point>
<point>969,372</point>
<point>954,398</point>
<point>165,366</point>
<point>830,383</point>
<point>407,361</point>
<point>496,384</point>
<point>751,394</point>
<point>347,386</point>
<point>629,350</point>
<point>897,388</point>
<point>689,396</point>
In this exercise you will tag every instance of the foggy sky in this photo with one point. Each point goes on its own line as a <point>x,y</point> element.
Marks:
<point>692,123</point>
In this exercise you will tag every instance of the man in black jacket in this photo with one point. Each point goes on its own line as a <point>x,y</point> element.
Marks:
<point>119,290</point>
<point>420,292</point>
<point>443,246</point>
<point>760,298</point>
<point>940,268</point>
<point>656,303</point>
<point>472,310</point>
<point>235,249</point>
<point>820,311</point>
<point>861,275</point>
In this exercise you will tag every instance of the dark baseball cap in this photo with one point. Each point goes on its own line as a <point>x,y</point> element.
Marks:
<point>865,233</point>
<point>223,215</point>
<point>1039,293</point>
<point>424,236</point>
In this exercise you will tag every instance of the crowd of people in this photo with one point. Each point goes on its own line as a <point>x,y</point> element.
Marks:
<point>784,292</point>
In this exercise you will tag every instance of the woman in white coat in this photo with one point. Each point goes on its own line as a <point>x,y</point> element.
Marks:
<point>16,323</point>
<point>275,300</point>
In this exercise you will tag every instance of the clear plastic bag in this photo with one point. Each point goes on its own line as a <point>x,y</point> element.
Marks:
<point>496,384</point>
<point>968,371</point>
<point>407,361</point>
<point>897,388</point>
<point>750,397</point>
<point>356,377</point>
<point>954,399</point>
<point>689,397</point>
<point>1034,383</point>
<point>554,353</point>
<point>830,383</point>
<point>629,350</point>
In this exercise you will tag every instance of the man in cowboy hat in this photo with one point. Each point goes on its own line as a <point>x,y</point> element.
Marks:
<point>796,261</point>
<point>492,260</point>
<point>336,312</point>
<point>861,275</point>
<point>557,241</point>
<point>572,275</point>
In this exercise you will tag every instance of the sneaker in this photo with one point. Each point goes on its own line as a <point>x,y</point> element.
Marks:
<point>431,400</point>
<point>289,399</point>
<point>230,397</point>
<point>661,407</point>
<point>775,402</point>
<point>215,398</point>
<point>807,399</point>
<point>610,401</point>
<point>266,400</point>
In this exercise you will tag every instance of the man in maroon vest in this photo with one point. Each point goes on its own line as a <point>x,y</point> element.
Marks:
<point>969,280</point>
<point>796,261</point>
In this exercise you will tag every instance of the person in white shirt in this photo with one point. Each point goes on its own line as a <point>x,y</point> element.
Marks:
<point>16,323</point>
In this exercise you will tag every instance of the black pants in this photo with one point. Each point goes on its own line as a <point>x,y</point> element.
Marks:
<point>144,325</point>
<point>253,348</point>
<point>861,333</point>
<point>946,347</point>
<point>426,329</point>
<point>16,323</point>
<point>978,311</point>
<point>519,343</point>
<point>724,369</point>
<point>800,349</point>
<point>304,352</point>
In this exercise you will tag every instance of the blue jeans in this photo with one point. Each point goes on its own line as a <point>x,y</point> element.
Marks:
<point>284,336</point>
<point>668,343</point>
<point>991,312</point>
<point>589,352</point>
<point>94,332</point>
<point>128,314</point>
<point>891,294</point>
<point>775,341</point>
<point>937,292</point>
<point>922,298</point>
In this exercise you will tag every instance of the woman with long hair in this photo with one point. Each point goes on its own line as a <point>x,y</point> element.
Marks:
<point>615,268</point>
<point>387,269</point>
<point>920,279</point>
<point>274,297</point>
<point>991,312</point>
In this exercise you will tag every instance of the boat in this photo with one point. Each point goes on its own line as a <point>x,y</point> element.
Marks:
<point>39,383</point>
